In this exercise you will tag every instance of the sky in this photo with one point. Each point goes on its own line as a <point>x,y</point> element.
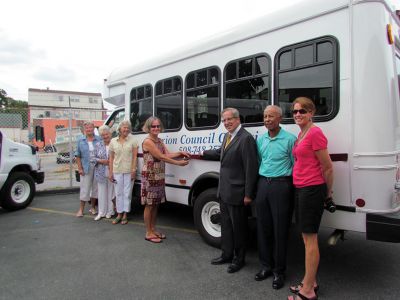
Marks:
<point>73,45</point>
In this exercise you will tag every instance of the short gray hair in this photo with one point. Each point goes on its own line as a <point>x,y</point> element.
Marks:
<point>234,111</point>
<point>147,125</point>
<point>124,123</point>
<point>276,107</point>
<point>103,129</point>
<point>88,123</point>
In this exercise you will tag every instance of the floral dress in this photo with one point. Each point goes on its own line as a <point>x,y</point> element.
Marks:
<point>153,177</point>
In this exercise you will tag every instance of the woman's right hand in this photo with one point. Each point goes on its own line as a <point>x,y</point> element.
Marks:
<point>80,170</point>
<point>111,177</point>
<point>183,162</point>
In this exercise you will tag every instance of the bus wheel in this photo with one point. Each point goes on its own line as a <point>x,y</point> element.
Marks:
<point>207,217</point>
<point>17,191</point>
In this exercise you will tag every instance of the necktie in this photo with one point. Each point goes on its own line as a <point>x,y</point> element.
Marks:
<point>228,140</point>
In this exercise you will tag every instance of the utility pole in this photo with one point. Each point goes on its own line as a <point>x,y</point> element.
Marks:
<point>70,141</point>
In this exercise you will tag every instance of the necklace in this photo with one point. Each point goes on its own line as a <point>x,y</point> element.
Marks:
<point>303,133</point>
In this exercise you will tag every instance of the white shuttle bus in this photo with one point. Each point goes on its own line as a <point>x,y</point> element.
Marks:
<point>343,54</point>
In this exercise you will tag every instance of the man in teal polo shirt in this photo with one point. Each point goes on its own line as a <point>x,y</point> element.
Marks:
<point>274,201</point>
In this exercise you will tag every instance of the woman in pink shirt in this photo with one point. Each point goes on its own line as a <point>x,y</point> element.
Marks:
<point>313,179</point>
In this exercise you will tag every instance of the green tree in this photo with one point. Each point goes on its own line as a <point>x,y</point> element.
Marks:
<point>10,106</point>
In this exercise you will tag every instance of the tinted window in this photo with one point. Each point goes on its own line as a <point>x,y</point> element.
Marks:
<point>261,65</point>
<point>202,100</point>
<point>250,95</point>
<point>304,56</point>
<point>168,105</point>
<point>141,107</point>
<point>314,75</point>
<point>324,51</point>
<point>159,88</point>
<point>114,121</point>
<point>245,67</point>
<point>285,60</point>
<point>230,71</point>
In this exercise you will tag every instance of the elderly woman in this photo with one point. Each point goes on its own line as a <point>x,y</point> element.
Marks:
<point>86,161</point>
<point>313,179</point>
<point>155,155</point>
<point>101,172</point>
<point>123,161</point>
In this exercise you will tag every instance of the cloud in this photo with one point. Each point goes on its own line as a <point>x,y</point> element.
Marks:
<point>14,52</point>
<point>55,74</point>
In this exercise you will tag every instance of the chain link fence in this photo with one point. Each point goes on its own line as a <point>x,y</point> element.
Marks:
<point>54,131</point>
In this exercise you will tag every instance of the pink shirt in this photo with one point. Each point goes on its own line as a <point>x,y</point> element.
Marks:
<point>307,170</point>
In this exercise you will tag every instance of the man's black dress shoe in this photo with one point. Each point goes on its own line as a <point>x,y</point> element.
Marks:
<point>263,274</point>
<point>278,282</point>
<point>234,267</point>
<point>221,260</point>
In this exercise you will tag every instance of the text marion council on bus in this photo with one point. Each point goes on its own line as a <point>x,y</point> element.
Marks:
<point>198,143</point>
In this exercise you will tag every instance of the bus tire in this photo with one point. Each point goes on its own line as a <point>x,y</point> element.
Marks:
<point>206,217</point>
<point>18,191</point>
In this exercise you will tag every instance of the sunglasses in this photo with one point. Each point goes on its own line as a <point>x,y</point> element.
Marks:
<point>155,126</point>
<point>301,111</point>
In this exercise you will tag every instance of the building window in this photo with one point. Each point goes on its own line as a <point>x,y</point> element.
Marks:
<point>74,98</point>
<point>90,100</point>
<point>141,106</point>
<point>247,82</point>
<point>308,69</point>
<point>168,102</point>
<point>60,98</point>
<point>202,98</point>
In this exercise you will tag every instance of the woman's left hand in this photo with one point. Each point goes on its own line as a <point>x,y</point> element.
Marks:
<point>185,154</point>
<point>133,174</point>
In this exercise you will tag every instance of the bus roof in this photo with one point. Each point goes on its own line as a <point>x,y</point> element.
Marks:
<point>298,12</point>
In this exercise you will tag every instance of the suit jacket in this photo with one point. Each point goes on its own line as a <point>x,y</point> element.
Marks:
<point>239,168</point>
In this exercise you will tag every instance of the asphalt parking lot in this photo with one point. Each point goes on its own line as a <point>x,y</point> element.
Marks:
<point>48,253</point>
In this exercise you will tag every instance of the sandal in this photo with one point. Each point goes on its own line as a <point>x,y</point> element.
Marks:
<point>116,220</point>
<point>153,239</point>
<point>296,289</point>
<point>302,297</point>
<point>160,235</point>
<point>124,221</point>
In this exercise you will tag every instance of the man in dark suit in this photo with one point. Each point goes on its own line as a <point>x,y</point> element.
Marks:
<point>236,189</point>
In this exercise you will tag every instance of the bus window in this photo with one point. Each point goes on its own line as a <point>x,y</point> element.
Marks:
<point>168,103</point>
<point>247,82</point>
<point>117,117</point>
<point>202,98</point>
<point>141,106</point>
<point>308,69</point>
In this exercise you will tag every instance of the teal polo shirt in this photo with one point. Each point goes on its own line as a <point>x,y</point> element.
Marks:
<point>276,154</point>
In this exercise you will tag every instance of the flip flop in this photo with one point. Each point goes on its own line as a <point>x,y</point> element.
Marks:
<point>124,221</point>
<point>296,289</point>
<point>161,235</point>
<point>153,239</point>
<point>79,215</point>
<point>302,297</point>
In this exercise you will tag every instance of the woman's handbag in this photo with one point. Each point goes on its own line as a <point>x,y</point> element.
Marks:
<point>77,176</point>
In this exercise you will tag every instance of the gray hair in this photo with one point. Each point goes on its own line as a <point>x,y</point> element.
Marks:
<point>276,107</point>
<point>88,123</point>
<point>147,125</point>
<point>103,129</point>
<point>124,123</point>
<point>234,111</point>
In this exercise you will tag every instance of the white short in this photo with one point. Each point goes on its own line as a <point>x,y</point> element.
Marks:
<point>88,186</point>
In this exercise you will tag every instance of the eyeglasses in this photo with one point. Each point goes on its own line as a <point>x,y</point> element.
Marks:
<point>301,111</point>
<point>155,126</point>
